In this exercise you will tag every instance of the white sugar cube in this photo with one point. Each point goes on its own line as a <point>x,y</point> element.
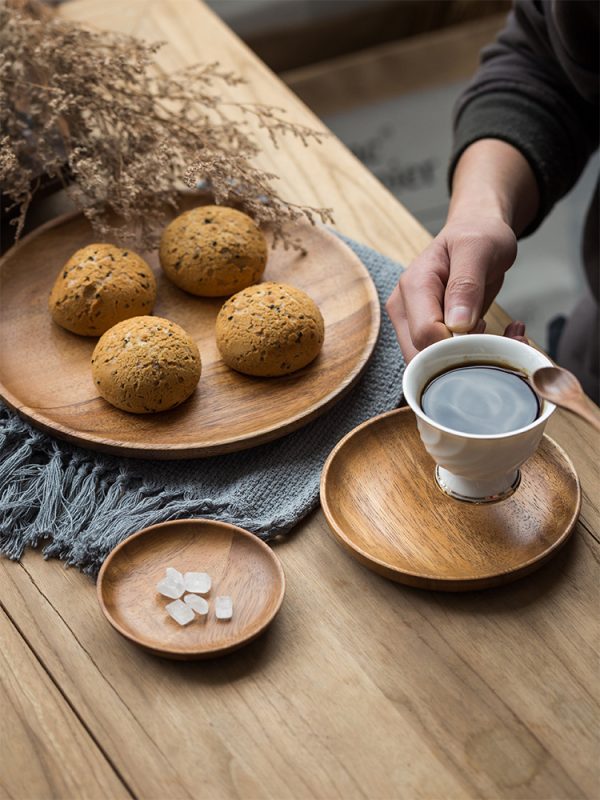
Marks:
<point>198,582</point>
<point>223,607</point>
<point>174,575</point>
<point>169,588</point>
<point>199,604</point>
<point>180,612</point>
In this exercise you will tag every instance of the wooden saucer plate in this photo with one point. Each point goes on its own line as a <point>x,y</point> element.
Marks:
<point>239,563</point>
<point>384,507</point>
<point>45,371</point>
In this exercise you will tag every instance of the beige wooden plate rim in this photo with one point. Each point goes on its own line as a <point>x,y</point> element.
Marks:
<point>105,444</point>
<point>351,545</point>
<point>215,648</point>
<point>199,449</point>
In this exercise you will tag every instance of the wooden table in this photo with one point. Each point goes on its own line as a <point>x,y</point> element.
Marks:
<point>361,688</point>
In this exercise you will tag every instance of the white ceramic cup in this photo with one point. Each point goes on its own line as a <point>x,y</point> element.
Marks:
<point>474,467</point>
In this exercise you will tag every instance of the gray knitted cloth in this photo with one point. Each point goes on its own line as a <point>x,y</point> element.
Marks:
<point>79,504</point>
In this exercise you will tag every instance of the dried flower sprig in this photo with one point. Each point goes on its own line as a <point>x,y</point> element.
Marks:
<point>94,110</point>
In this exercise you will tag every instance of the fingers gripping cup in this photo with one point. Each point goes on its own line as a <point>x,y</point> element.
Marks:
<point>477,416</point>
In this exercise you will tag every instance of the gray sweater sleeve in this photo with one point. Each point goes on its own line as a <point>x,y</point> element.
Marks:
<point>527,92</point>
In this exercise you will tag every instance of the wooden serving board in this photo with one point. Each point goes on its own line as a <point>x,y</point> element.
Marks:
<point>45,370</point>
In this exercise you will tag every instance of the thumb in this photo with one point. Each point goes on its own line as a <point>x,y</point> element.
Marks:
<point>465,290</point>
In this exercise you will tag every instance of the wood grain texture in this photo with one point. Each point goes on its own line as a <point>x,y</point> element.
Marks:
<point>45,371</point>
<point>239,563</point>
<point>380,498</point>
<point>358,689</point>
<point>361,687</point>
<point>39,731</point>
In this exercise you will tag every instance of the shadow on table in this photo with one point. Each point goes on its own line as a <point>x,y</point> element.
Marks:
<point>525,592</point>
<point>233,666</point>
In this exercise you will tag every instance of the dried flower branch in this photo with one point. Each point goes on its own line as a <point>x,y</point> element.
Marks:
<point>95,111</point>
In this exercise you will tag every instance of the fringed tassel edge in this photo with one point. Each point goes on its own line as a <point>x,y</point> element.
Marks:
<point>81,509</point>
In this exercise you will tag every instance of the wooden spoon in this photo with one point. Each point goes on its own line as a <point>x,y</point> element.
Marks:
<point>562,388</point>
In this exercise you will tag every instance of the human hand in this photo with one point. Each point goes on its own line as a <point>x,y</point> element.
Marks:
<point>452,283</point>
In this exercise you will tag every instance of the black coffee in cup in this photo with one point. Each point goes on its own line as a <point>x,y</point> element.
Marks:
<point>483,399</point>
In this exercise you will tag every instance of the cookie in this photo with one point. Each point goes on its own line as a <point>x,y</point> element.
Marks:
<point>100,285</point>
<point>213,251</point>
<point>269,329</point>
<point>146,364</point>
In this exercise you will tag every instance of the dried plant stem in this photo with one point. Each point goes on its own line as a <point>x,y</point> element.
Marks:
<point>97,106</point>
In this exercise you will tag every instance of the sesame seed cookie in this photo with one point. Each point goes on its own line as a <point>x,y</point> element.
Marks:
<point>213,251</point>
<point>146,364</point>
<point>269,329</point>
<point>100,285</point>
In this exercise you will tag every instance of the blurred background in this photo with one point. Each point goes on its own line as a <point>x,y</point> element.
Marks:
<point>384,76</point>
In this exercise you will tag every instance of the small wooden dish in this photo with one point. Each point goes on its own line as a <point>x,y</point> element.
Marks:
<point>45,371</point>
<point>383,505</point>
<point>239,563</point>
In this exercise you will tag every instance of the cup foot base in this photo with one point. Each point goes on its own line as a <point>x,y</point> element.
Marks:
<point>491,498</point>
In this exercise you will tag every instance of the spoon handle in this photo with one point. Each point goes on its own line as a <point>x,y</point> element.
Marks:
<point>589,411</point>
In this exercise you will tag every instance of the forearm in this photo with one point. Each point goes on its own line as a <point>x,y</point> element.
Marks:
<point>493,179</point>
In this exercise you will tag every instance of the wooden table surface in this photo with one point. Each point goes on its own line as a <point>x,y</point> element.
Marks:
<point>361,687</point>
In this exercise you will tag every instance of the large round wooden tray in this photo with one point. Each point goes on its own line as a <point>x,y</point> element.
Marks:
<point>45,370</point>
